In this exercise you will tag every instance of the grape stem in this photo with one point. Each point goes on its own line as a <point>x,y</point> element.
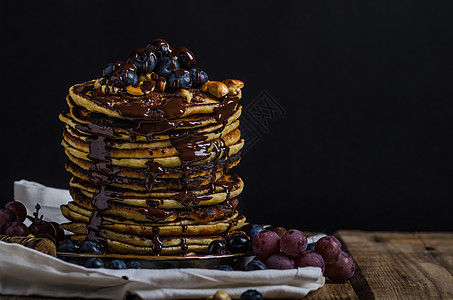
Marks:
<point>36,214</point>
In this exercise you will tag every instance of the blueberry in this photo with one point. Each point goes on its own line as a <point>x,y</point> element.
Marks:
<point>198,77</point>
<point>186,58</point>
<point>238,242</point>
<point>134,265</point>
<point>255,265</point>
<point>68,246</point>
<point>94,262</point>
<point>254,229</point>
<point>160,47</point>
<point>223,268</point>
<point>311,246</point>
<point>218,247</point>
<point>117,264</point>
<point>166,66</point>
<point>180,79</point>
<point>143,59</point>
<point>252,295</point>
<point>108,69</point>
<point>90,247</point>
<point>131,78</point>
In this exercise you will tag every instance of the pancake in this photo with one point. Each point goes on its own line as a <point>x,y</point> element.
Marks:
<point>151,157</point>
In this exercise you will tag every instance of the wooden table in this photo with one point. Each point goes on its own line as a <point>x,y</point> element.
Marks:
<point>390,265</point>
<point>393,265</point>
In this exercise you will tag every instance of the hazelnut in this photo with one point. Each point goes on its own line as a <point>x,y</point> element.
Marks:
<point>134,90</point>
<point>215,88</point>
<point>234,86</point>
<point>220,295</point>
<point>161,84</point>
<point>186,95</point>
<point>97,84</point>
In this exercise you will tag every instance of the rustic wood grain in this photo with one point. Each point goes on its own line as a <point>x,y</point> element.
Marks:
<point>331,291</point>
<point>402,265</point>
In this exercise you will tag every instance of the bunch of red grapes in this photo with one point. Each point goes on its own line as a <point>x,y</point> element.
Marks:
<point>290,251</point>
<point>12,218</point>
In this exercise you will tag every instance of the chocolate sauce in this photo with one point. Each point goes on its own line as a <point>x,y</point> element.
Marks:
<point>184,246</point>
<point>186,56</point>
<point>153,169</point>
<point>156,243</point>
<point>225,109</point>
<point>154,213</point>
<point>151,115</point>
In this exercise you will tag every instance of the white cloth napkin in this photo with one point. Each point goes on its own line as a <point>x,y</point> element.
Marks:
<point>50,199</point>
<point>24,271</point>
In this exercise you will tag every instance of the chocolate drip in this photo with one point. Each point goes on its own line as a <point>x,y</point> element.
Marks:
<point>184,228</point>
<point>153,170</point>
<point>225,109</point>
<point>184,246</point>
<point>154,213</point>
<point>157,243</point>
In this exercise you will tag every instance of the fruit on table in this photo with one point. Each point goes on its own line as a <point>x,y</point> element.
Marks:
<point>343,269</point>
<point>238,242</point>
<point>68,246</point>
<point>280,261</point>
<point>90,247</point>
<point>255,265</point>
<point>217,247</point>
<point>266,243</point>
<point>117,264</point>
<point>134,265</point>
<point>310,259</point>
<point>19,209</point>
<point>253,229</point>
<point>6,216</point>
<point>252,295</point>
<point>223,268</point>
<point>293,242</point>
<point>16,228</point>
<point>329,248</point>
<point>95,263</point>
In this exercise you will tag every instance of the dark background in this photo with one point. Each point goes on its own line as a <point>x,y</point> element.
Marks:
<point>366,141</point>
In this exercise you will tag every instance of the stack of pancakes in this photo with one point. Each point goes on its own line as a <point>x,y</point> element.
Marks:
<point>150,171</point>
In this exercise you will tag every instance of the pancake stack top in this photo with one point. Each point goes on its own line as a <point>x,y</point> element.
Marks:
<point>149,146</point>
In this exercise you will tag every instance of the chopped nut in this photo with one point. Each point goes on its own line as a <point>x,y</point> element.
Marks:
<point>220,295</point>
<point>215,88</point>
<point>134,90</point>
<point>234,86</point>
<point>160,84</point>
<point>97,84</point>
<point>186,95</point>
<point>109,89</point>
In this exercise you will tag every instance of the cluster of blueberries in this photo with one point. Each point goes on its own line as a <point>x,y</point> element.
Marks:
<point>177,65</point>
<point>95,262</point>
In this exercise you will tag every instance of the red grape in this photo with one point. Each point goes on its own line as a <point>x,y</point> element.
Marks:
<point>16,228</point>
<point>18,208</point>
<point>265,243</point>
<point>58,230</point>
<point>40,227</point>
<point>329,248</point>
<point>310,259</point>
<point>6,216</point>
<point>342,270</point>
<point>293,242</point>
<point>280,261</point>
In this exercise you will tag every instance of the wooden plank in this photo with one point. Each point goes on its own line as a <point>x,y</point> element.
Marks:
<point>398,265</point>
<point>331,291</point>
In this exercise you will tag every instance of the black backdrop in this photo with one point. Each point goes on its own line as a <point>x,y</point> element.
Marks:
<point>366,140</point>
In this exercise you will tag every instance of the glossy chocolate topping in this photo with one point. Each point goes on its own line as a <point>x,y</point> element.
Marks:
<point>151,114</point>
